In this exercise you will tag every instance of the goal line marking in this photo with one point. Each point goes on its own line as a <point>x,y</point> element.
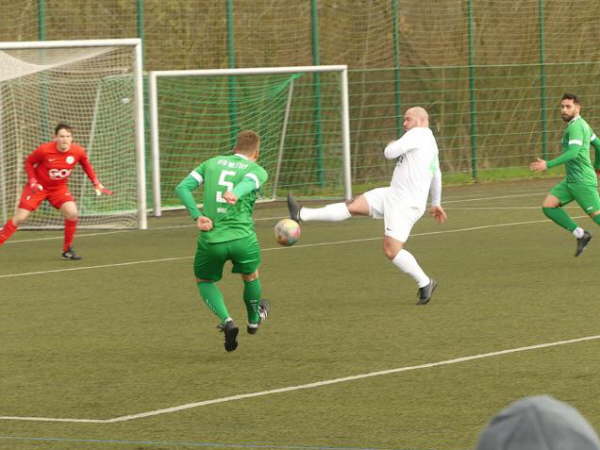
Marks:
<point>316,384</point>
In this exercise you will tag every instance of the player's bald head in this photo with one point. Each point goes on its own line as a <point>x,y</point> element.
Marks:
<point>418,112</point>
<point>415,117</point>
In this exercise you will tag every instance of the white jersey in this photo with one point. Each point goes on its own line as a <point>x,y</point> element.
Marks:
<point>417,168</point>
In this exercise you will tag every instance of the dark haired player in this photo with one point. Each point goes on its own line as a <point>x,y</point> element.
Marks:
<point>48,169</point>
<point>581,182</point>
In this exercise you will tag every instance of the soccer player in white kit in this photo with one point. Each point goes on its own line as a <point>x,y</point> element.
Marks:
<point>417,174</point>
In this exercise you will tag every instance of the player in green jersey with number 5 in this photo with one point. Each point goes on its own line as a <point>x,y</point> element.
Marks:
<point>581,181</point>
<point>231,184</point>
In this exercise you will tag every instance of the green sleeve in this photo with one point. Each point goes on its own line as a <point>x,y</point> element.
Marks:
<point>244,187</point>
<point>574,144</point>
<point>252,181</point>
<point>596,144</point>
<point>184,191</point>
<point>570,154</point>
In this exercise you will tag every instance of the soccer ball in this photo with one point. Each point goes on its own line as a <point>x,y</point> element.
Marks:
<point>287,232</point>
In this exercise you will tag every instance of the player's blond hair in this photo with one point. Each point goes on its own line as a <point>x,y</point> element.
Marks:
<point>248,142</point>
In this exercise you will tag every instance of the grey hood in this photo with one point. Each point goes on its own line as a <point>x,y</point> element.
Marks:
<point>538,423</point>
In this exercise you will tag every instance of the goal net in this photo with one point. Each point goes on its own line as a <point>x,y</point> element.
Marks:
<point>300,113</point>
<point>95,87</point>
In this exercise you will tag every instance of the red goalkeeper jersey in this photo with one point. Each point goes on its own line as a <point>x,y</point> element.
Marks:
<point>52,168</point>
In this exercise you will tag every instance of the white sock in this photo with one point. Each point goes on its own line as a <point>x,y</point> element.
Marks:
<point>330,213</point>
<point>578,232</point>
<point>407,263</point>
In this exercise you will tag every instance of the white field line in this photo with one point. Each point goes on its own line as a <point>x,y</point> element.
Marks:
<point>498,197</point>
<point>172,227</point>
<point>320,244</point>
<point>488,208</point>
<point>306,386</point>
<point>104,233</point>
<point>52,419</point>
<point>492,208</point>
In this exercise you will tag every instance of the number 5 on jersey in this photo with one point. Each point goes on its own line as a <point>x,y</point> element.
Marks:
<point>223,182</point>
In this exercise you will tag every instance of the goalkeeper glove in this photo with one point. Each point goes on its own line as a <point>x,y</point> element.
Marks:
<point>34,185</point>
<point>100,189</point>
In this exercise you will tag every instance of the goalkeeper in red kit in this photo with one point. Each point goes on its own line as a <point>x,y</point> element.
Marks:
<point>48,169</point>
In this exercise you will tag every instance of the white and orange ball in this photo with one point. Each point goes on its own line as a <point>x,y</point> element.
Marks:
<point>287,232</point>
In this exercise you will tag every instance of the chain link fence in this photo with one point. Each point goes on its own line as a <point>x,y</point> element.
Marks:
<point>489,71</point>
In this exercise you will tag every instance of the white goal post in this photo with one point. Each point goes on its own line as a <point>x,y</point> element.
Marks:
<point>193,114</point>
<point>96,86</point>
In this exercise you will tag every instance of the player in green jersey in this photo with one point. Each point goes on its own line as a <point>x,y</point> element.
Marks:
<point>231,184</point>
<point>581,181</point>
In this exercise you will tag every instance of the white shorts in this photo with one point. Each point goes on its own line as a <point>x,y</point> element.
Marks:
<point>399,218</point>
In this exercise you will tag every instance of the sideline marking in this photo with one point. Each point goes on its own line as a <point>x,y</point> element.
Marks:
<point>304,386</point>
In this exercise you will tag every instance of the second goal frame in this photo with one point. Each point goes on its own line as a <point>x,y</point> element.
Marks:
<point>155,120</point>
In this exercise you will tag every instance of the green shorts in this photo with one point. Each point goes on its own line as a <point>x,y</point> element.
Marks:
<point>244,253</point>
<point>585,195</point>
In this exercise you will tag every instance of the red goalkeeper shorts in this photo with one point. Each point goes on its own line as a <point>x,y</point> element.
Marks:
<point>57,196</point>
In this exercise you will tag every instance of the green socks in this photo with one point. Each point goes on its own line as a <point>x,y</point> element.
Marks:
<point>213,298</point>
<point>561,218</point>
<point>252,296</point>
<point>596,219</point>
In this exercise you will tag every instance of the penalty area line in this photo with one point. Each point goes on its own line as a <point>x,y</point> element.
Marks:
<point>269,249</point>
<point>258,219</point>
<point>316,384</point>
